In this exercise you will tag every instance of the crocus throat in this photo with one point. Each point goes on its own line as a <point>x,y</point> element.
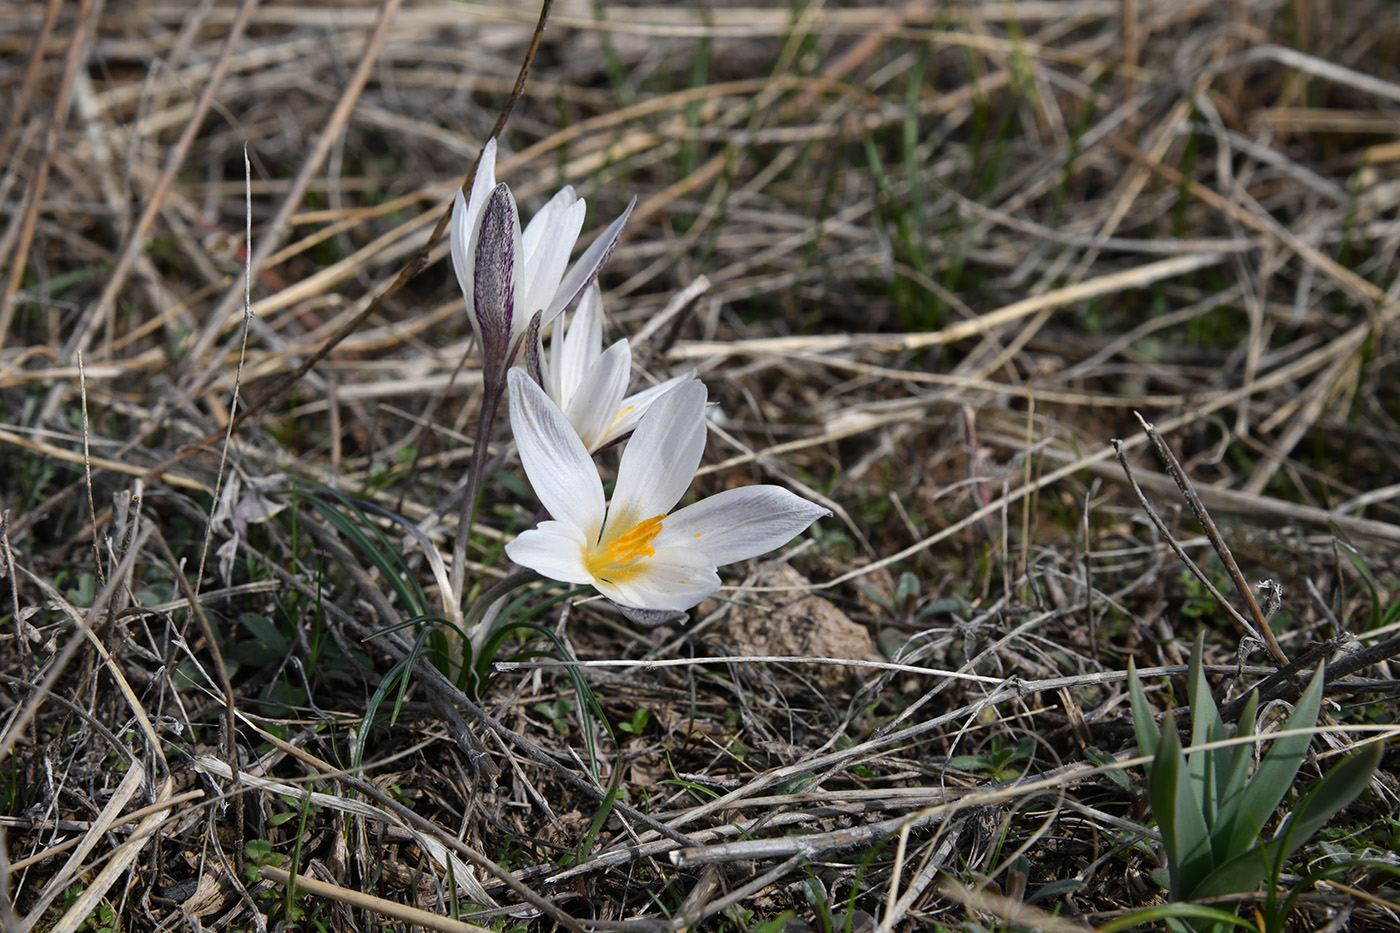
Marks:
<point>614,561</point>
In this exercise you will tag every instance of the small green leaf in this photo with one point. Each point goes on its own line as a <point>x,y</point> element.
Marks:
<point>262,629</point>
<point>906,591</point>
<point>1104,760</point>
<point>638,723</point>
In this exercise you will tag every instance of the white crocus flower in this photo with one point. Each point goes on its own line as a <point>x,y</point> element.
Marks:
<point>508,276</point>
<point>635,550</point>
<point>588,383</point>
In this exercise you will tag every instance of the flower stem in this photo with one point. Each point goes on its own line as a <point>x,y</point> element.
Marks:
<point>493,595</point>
<point>490,402</point>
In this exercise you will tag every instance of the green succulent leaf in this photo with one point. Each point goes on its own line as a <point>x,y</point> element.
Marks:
<point>1205,767</point>
<point>1237,777</point>
<point>1185,835</point>
<point>1143,724</point>
<point>1335,790</point>
<point>1250,811</point>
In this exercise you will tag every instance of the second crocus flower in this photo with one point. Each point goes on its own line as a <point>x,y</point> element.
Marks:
<point>639,550</point>
<point>589,384</point>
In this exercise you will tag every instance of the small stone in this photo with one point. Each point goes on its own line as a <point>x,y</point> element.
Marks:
<point>797,625</point>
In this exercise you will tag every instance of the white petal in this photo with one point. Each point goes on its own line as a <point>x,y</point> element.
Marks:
<point>675,578</point>
<point>554,549</point>
<point>739,523</point>
<point>458,236</point>
<point>636,405</point>
<point>466,216</point>
<point>583,342</point>
<point>547,217</point>
<point>545,266</point>
<point>555,460</point>
<point>586,269</point>
<point>594,404</point>
<point>661,458</point>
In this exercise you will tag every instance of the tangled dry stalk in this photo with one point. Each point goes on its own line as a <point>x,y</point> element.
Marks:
<point>931,260</point>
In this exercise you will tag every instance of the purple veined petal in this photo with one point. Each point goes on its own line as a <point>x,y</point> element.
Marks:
<point>530,351</point>
<point>466,218</point>
<point>592,408</point>
<point>586,269</point>
<point>554,549</point>
<point>497,256</point>
<point>555,461</point>
<point>636,404</point>
<point>582,342</point>
<point>651,618</point>
<point>737,524</point>
<point>675,578</point>
<point>661,458</point>
<point>544,267</point>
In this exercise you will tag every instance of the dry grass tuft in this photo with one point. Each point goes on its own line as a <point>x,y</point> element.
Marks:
<point>930,259</point>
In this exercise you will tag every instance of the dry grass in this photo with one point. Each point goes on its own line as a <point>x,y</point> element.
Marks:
<point>948,251</point>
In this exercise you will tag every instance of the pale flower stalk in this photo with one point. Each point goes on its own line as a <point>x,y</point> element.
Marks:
<point>589,383</point>
<point>653,562</point>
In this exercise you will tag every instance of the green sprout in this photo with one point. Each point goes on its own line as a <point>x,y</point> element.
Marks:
<point>1212,807</point>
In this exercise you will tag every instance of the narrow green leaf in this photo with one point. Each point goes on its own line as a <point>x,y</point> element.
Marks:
<point>1276,772</point>
<point>1354,556</point>
<point>1178,812</point>
<point>381,552</point>
<point>1339,787</point>
<point>605,808</point>
<point>1335,790</point>
<point>399,670</point>
<point>356,537</point>
<point>399,676</point>
<point>1232,834</point>
<point>1141,918</point>
<point>1206,726</point>
<point>1143,724</point>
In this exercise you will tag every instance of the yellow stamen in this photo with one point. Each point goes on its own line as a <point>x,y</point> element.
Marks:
<point>614,561</point>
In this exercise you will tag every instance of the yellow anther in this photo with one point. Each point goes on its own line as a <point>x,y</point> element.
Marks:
<point>611,560</point>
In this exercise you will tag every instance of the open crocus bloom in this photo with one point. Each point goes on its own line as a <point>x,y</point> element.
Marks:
<point>588,383</point>
<point>508,276</point>
<point>635,550</point>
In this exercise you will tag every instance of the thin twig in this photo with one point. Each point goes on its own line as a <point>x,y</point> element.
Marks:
<point>1183,482</point>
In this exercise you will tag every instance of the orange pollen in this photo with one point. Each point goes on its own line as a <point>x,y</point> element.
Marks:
<point>635,542</point>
